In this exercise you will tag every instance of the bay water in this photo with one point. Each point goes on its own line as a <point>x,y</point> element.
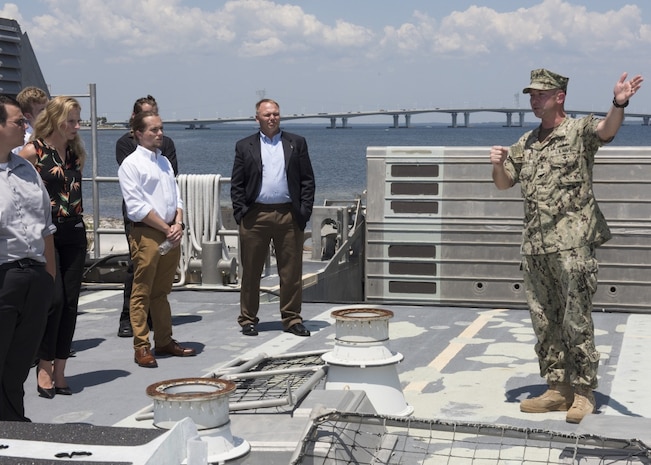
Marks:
<point>338,155</point>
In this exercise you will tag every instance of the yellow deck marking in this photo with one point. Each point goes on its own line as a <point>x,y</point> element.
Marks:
<point>454,348</point>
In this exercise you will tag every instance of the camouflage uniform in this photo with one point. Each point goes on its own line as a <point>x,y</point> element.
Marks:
<point>562,227</point>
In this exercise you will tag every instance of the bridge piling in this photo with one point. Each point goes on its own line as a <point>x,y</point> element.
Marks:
<point>509,119</point>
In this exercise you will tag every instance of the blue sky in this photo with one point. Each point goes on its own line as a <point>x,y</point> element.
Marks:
<point>206,58</point>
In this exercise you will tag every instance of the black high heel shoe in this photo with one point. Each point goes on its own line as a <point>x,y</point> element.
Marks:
<point>47,393</point>
<point>63,391</point>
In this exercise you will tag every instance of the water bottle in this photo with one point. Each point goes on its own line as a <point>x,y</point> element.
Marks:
<point>165,247</point>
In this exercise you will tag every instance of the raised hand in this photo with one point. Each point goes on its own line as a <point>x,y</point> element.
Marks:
<point>624,89</point>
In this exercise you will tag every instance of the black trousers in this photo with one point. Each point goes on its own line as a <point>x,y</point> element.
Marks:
<point>70,245</point>
<point>25,296</point>
<point>128,280</point>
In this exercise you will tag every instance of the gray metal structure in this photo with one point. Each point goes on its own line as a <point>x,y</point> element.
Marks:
<point>439,232</point>
<point>19,67</point>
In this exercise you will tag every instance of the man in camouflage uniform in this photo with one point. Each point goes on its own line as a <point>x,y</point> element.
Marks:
<point>562,227</point>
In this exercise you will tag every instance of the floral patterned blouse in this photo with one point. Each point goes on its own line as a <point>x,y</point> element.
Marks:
<point>63,182</point>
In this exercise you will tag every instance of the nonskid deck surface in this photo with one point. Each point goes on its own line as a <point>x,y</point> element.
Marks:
<point>460,364</point>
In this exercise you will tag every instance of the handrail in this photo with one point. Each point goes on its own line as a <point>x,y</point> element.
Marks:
<point>98,231</point>
<point>92,96</point>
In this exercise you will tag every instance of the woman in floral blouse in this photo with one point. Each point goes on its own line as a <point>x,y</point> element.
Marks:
<point>57,152</point>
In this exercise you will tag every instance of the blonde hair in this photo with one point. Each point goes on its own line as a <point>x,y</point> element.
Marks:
<point>53,117</point>
<point>30,96</point>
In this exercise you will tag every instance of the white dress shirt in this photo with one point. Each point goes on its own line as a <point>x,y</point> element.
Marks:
<point>147,183</point>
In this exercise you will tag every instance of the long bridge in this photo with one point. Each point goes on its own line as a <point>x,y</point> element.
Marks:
<point>514,117</point>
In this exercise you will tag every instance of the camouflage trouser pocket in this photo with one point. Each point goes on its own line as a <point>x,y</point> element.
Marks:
<point>581,269</point>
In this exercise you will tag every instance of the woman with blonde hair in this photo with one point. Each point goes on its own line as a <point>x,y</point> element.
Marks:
<point>57,152</point>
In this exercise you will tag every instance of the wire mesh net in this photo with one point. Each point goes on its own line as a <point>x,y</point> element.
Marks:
<point>366,439</point>
<point>279,381</point>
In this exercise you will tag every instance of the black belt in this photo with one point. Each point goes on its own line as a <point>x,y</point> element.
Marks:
<point>140,223</point>
<point>22,263</point>
<point>66,219</point>
<point>273,206</point>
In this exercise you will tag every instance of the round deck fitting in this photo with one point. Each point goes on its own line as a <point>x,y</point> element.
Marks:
<point>205,402</point>
<point>362,324</point>
<point>359,359</point>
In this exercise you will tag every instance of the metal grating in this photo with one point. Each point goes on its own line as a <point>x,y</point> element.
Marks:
<point>365,439</point>
<point>273,381</point>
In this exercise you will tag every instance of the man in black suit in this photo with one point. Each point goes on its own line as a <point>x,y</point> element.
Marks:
<point>272,190</point>
<point>124,147</point>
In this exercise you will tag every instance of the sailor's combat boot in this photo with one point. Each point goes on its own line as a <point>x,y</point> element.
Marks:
<point>558,397</point>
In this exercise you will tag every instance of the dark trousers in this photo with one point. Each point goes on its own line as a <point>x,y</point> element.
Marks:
<point>25,296</point>
<point>261,225</point>
<point>128,280</point>
<point>70,245</point>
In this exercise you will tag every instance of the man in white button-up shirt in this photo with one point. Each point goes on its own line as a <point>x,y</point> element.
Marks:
<point>154,205</point>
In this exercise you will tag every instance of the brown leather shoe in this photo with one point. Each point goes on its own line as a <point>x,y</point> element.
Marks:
<point>144,358</point>
<point>173,348</point>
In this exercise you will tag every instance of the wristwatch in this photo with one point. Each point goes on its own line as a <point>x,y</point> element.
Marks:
<point>182,225</point>
<point>617,105</point>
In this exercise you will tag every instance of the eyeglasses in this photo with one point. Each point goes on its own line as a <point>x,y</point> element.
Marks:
<point>20,122</point>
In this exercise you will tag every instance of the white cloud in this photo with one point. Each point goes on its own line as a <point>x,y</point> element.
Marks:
<point>216,54</point>
<point>253,28</point>
<point>10,11</point>
<point>264,47</point>
<point>550,24</point>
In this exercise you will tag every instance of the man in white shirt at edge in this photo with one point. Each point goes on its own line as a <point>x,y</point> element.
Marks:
<point>154,205</point>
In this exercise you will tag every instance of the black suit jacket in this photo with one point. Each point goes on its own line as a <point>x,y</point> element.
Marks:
<point>246,179</point>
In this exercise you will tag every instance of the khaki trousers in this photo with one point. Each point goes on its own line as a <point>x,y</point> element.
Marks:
<point>153,276</point>
<point>258,228</point>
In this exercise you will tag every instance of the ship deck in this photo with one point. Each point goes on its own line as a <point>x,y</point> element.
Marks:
<point>459,364</point>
